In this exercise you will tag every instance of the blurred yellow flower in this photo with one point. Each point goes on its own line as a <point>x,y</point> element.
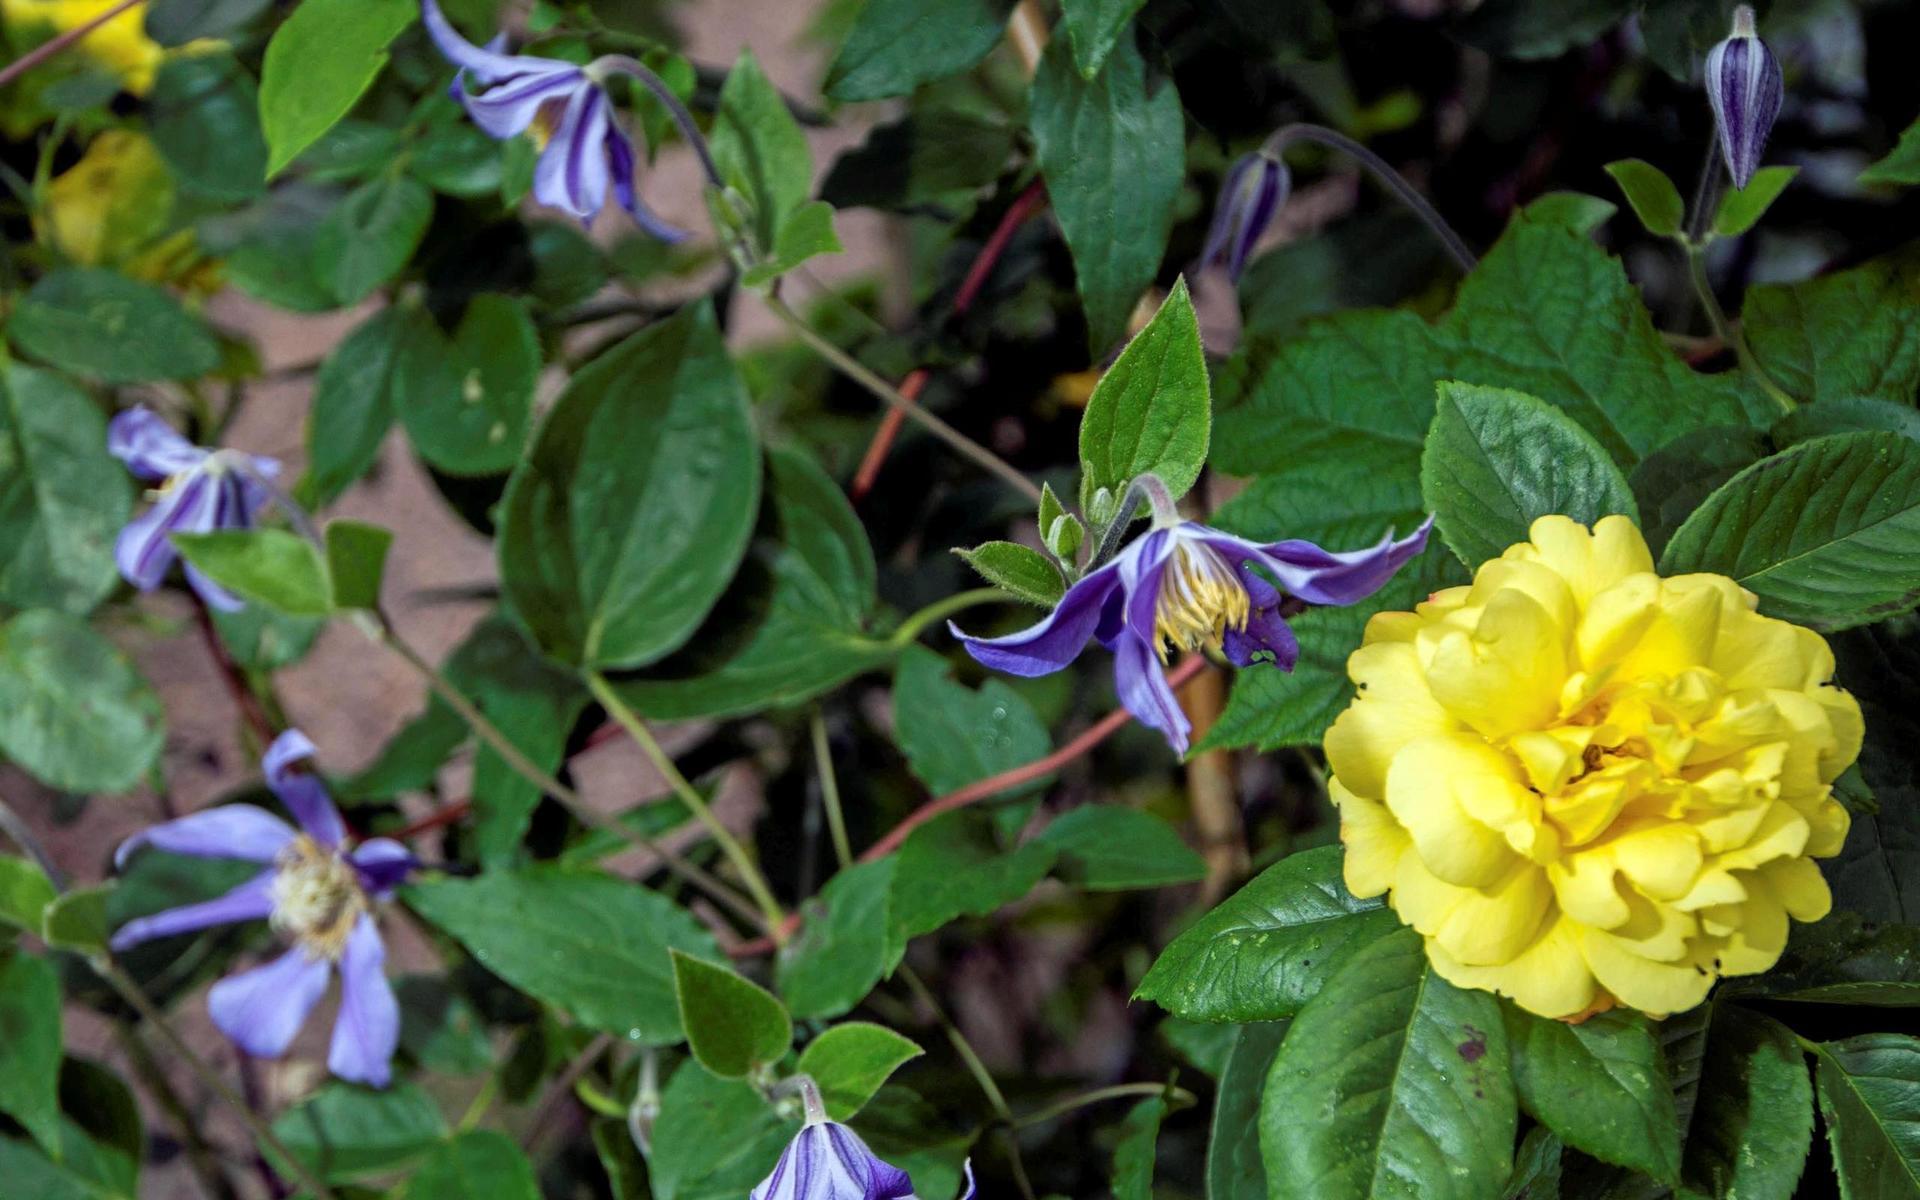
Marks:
<point>1586,785</point>
<point>121,45</point>
<point>112,203</point>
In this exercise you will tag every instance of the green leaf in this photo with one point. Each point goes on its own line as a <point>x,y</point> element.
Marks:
<point>1868,1086</point>
<point>1234,1170</point>
<point>204,116</point>
<point>263,640</point>
<point>320,60</point>
<point>347,1133</point>
<point>627,518</point>
<point>25,892</point>
<point>1857,414</point>
<point>760,149</point>
<point>849,1062</point>
<point>1826,533</point>
<point>806,233</point>
<point>103,325</point>
<point>1496,460</point>
<point>369,236</point>
<point>897,45</point>
<point>478,1164</point>
<point>1113,154</point>
<point>1848,334</point>
<point>73,711</point>
<point>951,867</point>
<point>455,158</point>
<point>845,944</point>
<point>1536,1167</point>
<point>273,567</point>
<point>1268,948</point>
<point>592,945</point>
<point>1902,163</point>
<point>714,1138</point>
<point>1602,1085</point>
<point>467,400</point>
<point>792,623</point>
<point>734,1026</point>
<point>84,1170</point>
<point>1133,1154</point>
<point>1842,960</point>
<point>353,405</point>
<point>1753,1123</point>
<point>30,1046</point>
<point>1093,26</point>
<point>1672,481</point>
<point>77,920</point>
<point>1741,208</point>
<point>954,735</point>
<point>177,22</point>
<point>1654,198</point>
<point>63,498</point>
<point>1391,1082</point>
<point>1150,414</point>
<point>1575,211</point>
<point>925,158</point>
<point>1020,571</point>
<point>1104,848</point>
<point>356,559</point>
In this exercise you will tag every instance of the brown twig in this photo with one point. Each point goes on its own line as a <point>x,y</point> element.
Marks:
<point>244,698</point>
<point>41,53</point>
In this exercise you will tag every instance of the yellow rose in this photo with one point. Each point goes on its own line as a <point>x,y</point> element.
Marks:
<point>111,204</point>
<point>1584,784</point>
<point>121,45</point>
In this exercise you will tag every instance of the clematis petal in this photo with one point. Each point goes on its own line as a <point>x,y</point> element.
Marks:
<point>149,446</point>
<point>1143,691</point>
<point>509,107</point>
<point>302,791</point>
<point>383,864</point>
<point>262,1009</point>
<point>239,831</point>
<point>1267,631</point>
<point>1323,576</point>
<point>571,174</point>
<point>486,65</point>
<point>620,161</point>
<point>828,1161</point>
<point>143,551</point>
<point>1253,191</point>
<point>251,901</point>
<point>1141,565</point>
<point>367,1030</point>
<point>1059,637</point>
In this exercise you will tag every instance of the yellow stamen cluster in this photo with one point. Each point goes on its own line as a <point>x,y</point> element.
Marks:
<point>316,898</point>
<point>1201,598</point>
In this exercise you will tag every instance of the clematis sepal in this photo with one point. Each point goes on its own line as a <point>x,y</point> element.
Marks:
<point>1255,189</point>
<point>1744,86</point>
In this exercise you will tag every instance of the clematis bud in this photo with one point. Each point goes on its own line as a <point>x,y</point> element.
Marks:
<point>1743,85</point>
<point>1255,189</point>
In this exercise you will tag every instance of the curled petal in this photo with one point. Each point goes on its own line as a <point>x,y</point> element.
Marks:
<point>485,65</point>
<point>367,1030</point>
<point>301,790</point>
<point>571,174</point>
<point>230,831</point>
<point>1143,690</point>
<point>143,551</point>
<point>251,901</point>
<point>383,863</point>
<point>262,1010</point>
<point>1059,637</point>
<point>621,162</point>
<point>508,108</point>
<point>1325,576</point>
<point>149,446</point>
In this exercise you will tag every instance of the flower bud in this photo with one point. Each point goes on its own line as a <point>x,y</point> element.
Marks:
<point>1255,189</point>
<point>1743,85</point>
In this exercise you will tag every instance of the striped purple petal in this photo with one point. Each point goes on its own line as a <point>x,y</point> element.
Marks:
<point>1142,686</point>
<point>620,162</point>
<point>142,551</point>
<point>571,174</point>
<point>828,1161</point>
<point>485,65</point>
<point>508,108</point>
<point>1320,576</point>
<point>1253,192</point>
<point>288,766</point>
<point>367,1030</point>
<point>383,864</point>
<point>239,831</point>
<point>149,446</point>
<point>1745,89</point>
<point>1057,639</point>
<point>263,1009</point>
<point>251,901</point>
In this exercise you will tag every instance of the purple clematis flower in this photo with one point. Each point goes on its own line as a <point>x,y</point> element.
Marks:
<point>200,491</point>
<point>316,892</point>
<point>1254,191</point>
<point>828,1161</point>
<point>583,148</point>
<point>1185,585</point>
<point>1745,89</point>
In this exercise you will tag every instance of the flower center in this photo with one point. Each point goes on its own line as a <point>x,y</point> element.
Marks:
<point>316,897</point>
<point>1201,597</point>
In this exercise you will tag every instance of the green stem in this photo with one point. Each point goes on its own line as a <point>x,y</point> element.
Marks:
<point>1723,328</point>
<point>830,791</point>
<point>852,368</point>
<point>940,610</point>
<point>1176,1097</point>
<point>1455,245</point>
<point>380,629</point>
<point>750,875</point>
<point>961,1046</point>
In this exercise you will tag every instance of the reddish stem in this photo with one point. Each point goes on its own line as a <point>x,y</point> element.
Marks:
<point>251,710</point>
<point>984,789</point>
<point>41,53</point>
<point>1024,205</point>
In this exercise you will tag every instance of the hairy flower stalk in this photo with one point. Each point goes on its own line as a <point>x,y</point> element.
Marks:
<point>199,491</point>
<point>1185,586</point>
<point>1254,191</point>
<point>1587,785</point>
<point>317,892</point>
<point>1744,87</point>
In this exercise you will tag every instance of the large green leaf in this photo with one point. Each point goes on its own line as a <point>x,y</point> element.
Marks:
<point>627,518</point>
<point>30,1046</point>
<point>850,1062</point>
<point>1753,1121</point>
<point>1105,847</point>
<point>1849,334</point>
<point>759,147</point>
<point>734,1026</point>
<point>106,326</point>
<point>73,711</point>
<point>1113,152</point>
<point>1234,1170</point>
<point>1094,26</point>
<point>1602,1085</point>
<point>954,735</point>
<point>896,45</point>
<point>845,944</point>
<point>1496,459</point>
<point>63,498</point>
<point>1870,1097</point>
<point>952,867</point>
<point>793,622</point>
<point>589,944</point>
<point>1269,947</point>
<point>1391,1083</point>
<point>1151,412</point>
<point>348,1133</point>
<point>478,1164</point>
<point>467,400</point>
<point>1826,533</point>
<point>1841,959</point>
<point>204,115</point>
<point>320,60</point>
<point>714,1137</point>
